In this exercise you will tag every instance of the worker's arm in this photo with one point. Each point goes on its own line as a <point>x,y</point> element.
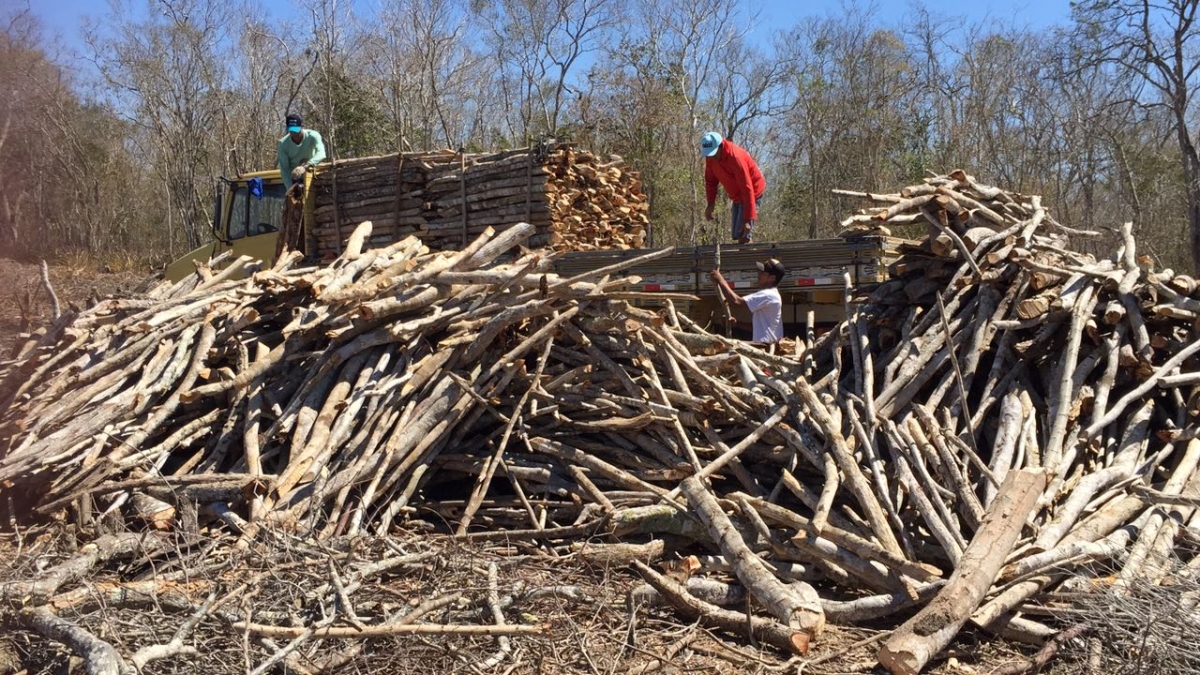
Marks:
<point>724,289</point>
<point>285,167</point>
<point>318,152</point>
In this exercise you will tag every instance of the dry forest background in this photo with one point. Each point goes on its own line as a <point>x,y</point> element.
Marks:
<point>112,138</point>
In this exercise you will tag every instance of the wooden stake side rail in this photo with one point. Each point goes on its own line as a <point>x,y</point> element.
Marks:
<point>813,264</point>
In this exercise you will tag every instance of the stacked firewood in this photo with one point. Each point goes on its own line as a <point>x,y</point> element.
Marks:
<point>979,440</point>
<point>340,400</point>
<point>575,200</point>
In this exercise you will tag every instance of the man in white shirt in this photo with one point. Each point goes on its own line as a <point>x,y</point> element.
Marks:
<point>765,304</point>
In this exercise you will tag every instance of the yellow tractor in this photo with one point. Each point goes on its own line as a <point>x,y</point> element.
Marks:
<point>247,220</point>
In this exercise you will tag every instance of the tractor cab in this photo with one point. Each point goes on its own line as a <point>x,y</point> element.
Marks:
<point>247,217</point>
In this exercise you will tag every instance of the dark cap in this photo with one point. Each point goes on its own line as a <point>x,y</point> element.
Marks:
<point>774,267</point>
<point>294,123</point>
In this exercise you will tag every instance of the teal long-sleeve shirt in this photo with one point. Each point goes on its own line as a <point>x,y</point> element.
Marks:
<point>310,150</point>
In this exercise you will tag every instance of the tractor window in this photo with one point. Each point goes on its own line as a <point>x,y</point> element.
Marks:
<point>250,215</point>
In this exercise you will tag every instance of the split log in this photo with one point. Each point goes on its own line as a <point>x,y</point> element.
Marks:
<point>444,198</point>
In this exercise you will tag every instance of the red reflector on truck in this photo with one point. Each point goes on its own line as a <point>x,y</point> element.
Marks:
<point>806,282</point>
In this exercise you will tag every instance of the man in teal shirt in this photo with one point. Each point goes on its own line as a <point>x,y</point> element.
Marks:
<point>300,149</point>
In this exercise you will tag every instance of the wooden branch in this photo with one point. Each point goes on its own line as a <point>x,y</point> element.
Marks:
<point>773,633</point>
<point>99,657</point>
<point>1043,656</point>
<point>795,605</point>
<point>104,548</point>
<point>927,633</point>
<point>855,481</point>
<point>55,310</point>
<point>373,631</point>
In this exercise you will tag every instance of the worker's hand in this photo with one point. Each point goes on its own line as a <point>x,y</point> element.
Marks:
<point>708,212</point>
<point>298,173</point>
<point>715,275</point>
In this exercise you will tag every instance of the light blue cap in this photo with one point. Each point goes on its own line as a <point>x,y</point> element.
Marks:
<point>710,143</point>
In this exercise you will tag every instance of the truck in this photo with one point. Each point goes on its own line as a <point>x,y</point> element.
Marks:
<point>252,213</point>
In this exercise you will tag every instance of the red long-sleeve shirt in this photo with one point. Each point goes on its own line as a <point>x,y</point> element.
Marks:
<point>734,169</point>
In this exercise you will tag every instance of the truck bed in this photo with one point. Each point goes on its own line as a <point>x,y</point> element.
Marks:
<point>813,264</point>
<point>812,291</point>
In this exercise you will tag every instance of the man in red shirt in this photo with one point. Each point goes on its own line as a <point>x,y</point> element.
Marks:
<point>734,168</point>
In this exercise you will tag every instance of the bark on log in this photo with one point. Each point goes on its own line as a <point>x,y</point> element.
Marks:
<point>912,645</point>
<point>775,634</point>
<point>794,604</point>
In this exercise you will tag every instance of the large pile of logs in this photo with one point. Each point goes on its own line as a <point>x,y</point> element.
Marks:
<point>1003,376</point>
<point>981,441</point>
<point>576,200</point>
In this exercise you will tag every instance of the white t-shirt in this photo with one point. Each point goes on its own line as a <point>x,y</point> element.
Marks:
<point>766,307</point>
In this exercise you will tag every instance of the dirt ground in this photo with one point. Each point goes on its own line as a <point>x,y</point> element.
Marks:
<point>25,303</point>
<point>588,630</point>
<point>595,640</point>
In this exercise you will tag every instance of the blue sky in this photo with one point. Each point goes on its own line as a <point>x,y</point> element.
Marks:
<point>64,17</point>
<point>1020,13</point>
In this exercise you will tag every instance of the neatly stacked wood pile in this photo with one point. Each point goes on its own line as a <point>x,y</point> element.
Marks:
<point>970,442</point>
<point>577,200</point>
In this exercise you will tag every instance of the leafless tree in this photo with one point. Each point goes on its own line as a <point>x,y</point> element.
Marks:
<point>748,86</point>
<point>427,73</point>
<point>331,23</point>
<point>262,78</point>
<point>852,123</point>
<point>165,74</point>
<point>688,39</point>
<point>67,183</point>
<point>1158,45</point>
<point>20,68</point>
<point>538,44</point>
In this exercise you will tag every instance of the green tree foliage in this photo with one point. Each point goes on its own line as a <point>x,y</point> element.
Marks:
<point>353,121</point>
